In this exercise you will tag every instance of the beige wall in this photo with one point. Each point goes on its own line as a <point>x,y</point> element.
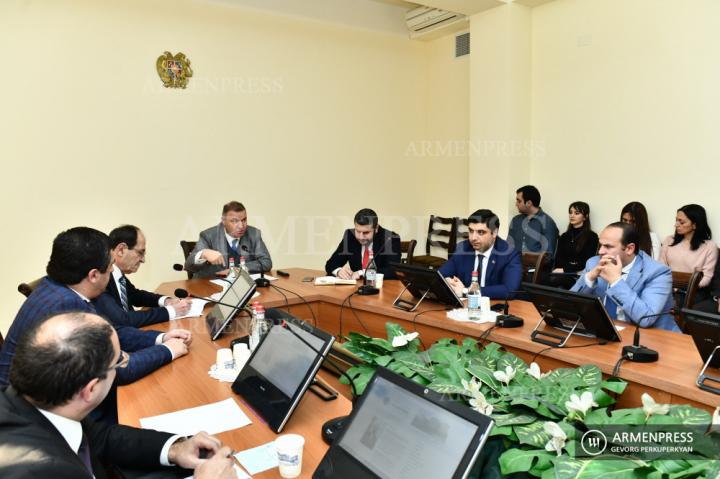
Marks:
<point>625,101</point>
<point>304,122</point>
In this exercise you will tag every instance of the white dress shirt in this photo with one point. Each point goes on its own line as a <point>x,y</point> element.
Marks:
<point>117,274</point>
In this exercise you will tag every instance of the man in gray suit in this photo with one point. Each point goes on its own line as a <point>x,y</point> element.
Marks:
<point>232,238</point>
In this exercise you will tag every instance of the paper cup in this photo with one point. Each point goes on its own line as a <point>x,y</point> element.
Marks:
<point>289,449</point>
<point>484,304</point>
<point>379,280</point>
<point>241,354</point>
<point>224,359</point>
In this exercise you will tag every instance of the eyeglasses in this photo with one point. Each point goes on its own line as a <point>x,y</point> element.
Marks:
<point>122,362</point>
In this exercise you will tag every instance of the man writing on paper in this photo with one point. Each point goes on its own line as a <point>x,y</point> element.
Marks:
<point>498,264</point>
<point>118,302</point>
<point>64,366</point>
<point>630,282</point>
<point>232,238</point>
<point>352,255</point>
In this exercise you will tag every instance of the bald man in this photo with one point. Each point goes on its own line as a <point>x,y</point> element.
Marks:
<point>44,429</point>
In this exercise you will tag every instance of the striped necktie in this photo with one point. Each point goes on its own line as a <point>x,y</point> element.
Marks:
<point>123,293</point>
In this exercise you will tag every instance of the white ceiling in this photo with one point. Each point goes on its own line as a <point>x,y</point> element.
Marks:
<point>387,16</point>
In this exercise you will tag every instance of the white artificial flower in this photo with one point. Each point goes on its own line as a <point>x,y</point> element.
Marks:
<point>480,404</point>
<point>403,339</point>
<point>534,370</point>
<point>651,407</point>
<point>505,376</point>
<point>582,403</point>
<point>473,387</point>
<point>557,437</point>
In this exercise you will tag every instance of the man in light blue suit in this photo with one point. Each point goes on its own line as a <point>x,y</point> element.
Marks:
<point>634,287</point>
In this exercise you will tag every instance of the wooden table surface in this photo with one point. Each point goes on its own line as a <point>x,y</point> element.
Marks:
<point>185,383</point>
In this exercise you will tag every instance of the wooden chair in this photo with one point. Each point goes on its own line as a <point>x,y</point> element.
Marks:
<point>461,231</point>
<point>441,234</point>
<point>535,265</point>
<point>187,247</point>
<point>27,288</point>
<point>408,249</point>
<point>685,288</point>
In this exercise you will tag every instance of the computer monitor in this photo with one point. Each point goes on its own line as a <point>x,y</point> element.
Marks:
<point>423,283</point>
<point>238,294</point>
<point>400,429</point>
<point>573,313</point>
<point>280,370</point>
<point>705,331</point>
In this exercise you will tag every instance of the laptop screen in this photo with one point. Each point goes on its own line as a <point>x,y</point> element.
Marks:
<point>398,434</point>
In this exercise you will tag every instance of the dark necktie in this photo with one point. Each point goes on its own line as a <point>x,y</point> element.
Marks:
<point>234,245</point>
<point>84,454</point>
<point>123,293</point>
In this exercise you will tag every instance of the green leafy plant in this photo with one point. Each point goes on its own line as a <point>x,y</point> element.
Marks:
<point>537,416</point>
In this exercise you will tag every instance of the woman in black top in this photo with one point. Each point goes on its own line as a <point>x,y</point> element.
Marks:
<point>575,246</point>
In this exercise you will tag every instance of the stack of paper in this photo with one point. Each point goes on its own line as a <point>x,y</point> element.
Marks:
<point>332,280</point>
<point>212,418</point>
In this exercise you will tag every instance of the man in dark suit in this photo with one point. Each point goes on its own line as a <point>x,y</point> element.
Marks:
<point>232,238</point>
<point>498,264</point>
<point>353,253</point>
<point>118,302</point>
<point>78,271</point>
<point>63,368</point>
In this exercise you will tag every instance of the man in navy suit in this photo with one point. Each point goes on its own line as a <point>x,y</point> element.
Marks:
<point>498,264</point>
<point>118,302</point>
<point>352,255</point>
<point>633,286</point>
<point>78,271</point>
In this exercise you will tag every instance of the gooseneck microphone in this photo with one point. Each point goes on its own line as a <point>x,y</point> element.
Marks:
<point>507,320</point>
<point>178,267</point>
<point>262,281</point>
<point>638,353</point>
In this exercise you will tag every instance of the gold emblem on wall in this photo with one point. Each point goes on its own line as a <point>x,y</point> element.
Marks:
<point>175,70</point>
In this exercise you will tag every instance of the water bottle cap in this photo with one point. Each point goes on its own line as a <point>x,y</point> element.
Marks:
<point>474,273</point>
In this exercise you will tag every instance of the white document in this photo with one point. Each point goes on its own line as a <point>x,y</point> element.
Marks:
<point>267,277</point>
<point>196,309</point>
<point>258,459</point>
<point>223,283</point>
<point>462,316</point>
<point>213,418</point>
<point>332,280</point>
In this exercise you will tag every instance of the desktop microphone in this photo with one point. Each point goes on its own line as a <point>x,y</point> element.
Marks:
<point>178,267</point>
<point>262,281</point>
<point>507,320</point>
<point>638,353</point>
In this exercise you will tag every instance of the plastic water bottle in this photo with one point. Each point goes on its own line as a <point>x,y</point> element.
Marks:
<point>242,264</point>
<point>232,271</point>
<point>473,298</point>
<point>371,270</point>
<point>258,326</point>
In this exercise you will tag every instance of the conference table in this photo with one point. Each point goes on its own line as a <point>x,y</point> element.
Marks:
<point>185,383</point>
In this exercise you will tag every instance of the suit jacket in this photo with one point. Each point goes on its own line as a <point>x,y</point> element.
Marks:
<point>51,297</point>
<point>30,446</point>
<point>386,250</point>
<point>646,290</point>
<point>109,305</point>
<point>251,245</point>
<point>502,276</point>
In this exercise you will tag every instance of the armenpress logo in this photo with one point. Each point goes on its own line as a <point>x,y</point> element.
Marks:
<point>593,442</point>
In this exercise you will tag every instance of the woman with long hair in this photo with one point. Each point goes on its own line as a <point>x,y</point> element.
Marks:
<point>578,243</point>
<point>634,213</point>
<point>691,248</point>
